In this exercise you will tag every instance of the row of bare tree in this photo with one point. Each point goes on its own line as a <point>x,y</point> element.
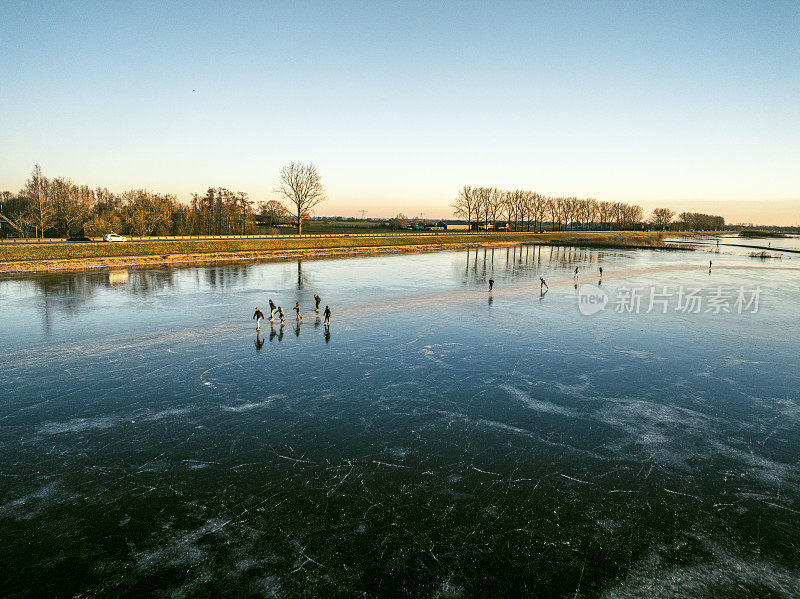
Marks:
<point>700,222</point>
<point>663,218</point>
<point>525,210</point>
<point>62,208</point>
<point>59,207</point>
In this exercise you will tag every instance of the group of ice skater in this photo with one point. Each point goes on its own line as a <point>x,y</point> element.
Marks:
<point>273,310</point>
<point>543,287</point>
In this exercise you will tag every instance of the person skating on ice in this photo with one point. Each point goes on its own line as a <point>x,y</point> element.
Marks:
<point>317,300</point>
<point>491,284</point>
<point>296,308</point>
<point>272,308</point>
<point>258,316</point>
<point>327,315</point>
<point>280,314</point>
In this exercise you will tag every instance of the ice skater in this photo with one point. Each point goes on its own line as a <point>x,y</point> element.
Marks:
<point>280,314</point>
<point>601,272</point>
<point>296,308</point>
<point>258,316</point>
<point>327,315</point>
<point>318,301</point>
<point>542,284</point>
<point>271,310</point>
<point>491,284</point>
<point>577,271</point>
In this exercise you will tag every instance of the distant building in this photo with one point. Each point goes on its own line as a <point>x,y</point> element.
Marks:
<point>456,227</point>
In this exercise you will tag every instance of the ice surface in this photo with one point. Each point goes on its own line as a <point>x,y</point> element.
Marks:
<point>436,441</point>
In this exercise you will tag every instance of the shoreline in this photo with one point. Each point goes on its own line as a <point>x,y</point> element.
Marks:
<point>609,240</point>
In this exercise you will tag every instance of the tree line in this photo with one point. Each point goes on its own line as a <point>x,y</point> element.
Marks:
<point>525,210</point>
<point>700,222</point>
<point>59,207</point>
<point>664,218</point>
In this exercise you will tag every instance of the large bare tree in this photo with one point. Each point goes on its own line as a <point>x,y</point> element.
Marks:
<point>302,186</point>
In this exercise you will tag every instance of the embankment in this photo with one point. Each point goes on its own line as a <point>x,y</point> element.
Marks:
<point>32,258</point>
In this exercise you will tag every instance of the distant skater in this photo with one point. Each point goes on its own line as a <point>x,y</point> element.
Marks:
<point>601,272</point>
<point>577,271</point>
<point>297,309</point>
<point>318,301</point>
<point>280,314</point>
<point>327,315</point>
<point>491,284</point>
<point>258,316</point>
<point>271,310</point>
<point>542,284</point>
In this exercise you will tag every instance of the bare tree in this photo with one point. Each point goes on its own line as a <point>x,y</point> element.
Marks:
<point>273,213</point>
<point>302,186</point>
<point>698,221</point>
<point>662,217</point>
<point>399,222</point>
<point>522,209</point>
<point>246,205</point>
<point>13,212</point>
<point>144,213</point>
<point>465,204</point>
<point>495,201</point>
<point>73,205</point>
<point>37,190</point>
<point>508,205</point>
<point>538,207</point>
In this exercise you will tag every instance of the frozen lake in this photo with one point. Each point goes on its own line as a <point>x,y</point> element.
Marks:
<point>437,440</point>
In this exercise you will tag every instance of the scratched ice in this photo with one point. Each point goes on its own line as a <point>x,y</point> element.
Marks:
<point>436,441</point>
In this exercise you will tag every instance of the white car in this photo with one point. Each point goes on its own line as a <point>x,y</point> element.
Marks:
<point>114,237</point>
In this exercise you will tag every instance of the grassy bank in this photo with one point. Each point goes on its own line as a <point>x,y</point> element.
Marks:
<point>209,246</point>
<point>38,258</point>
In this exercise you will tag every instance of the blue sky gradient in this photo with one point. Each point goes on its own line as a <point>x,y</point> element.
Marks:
<point>686,105</point>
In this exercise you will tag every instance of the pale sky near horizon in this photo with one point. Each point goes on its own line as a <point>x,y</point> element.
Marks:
<point>685,105</point>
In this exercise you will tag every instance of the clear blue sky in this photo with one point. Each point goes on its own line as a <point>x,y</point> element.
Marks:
<point>688,105</point>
